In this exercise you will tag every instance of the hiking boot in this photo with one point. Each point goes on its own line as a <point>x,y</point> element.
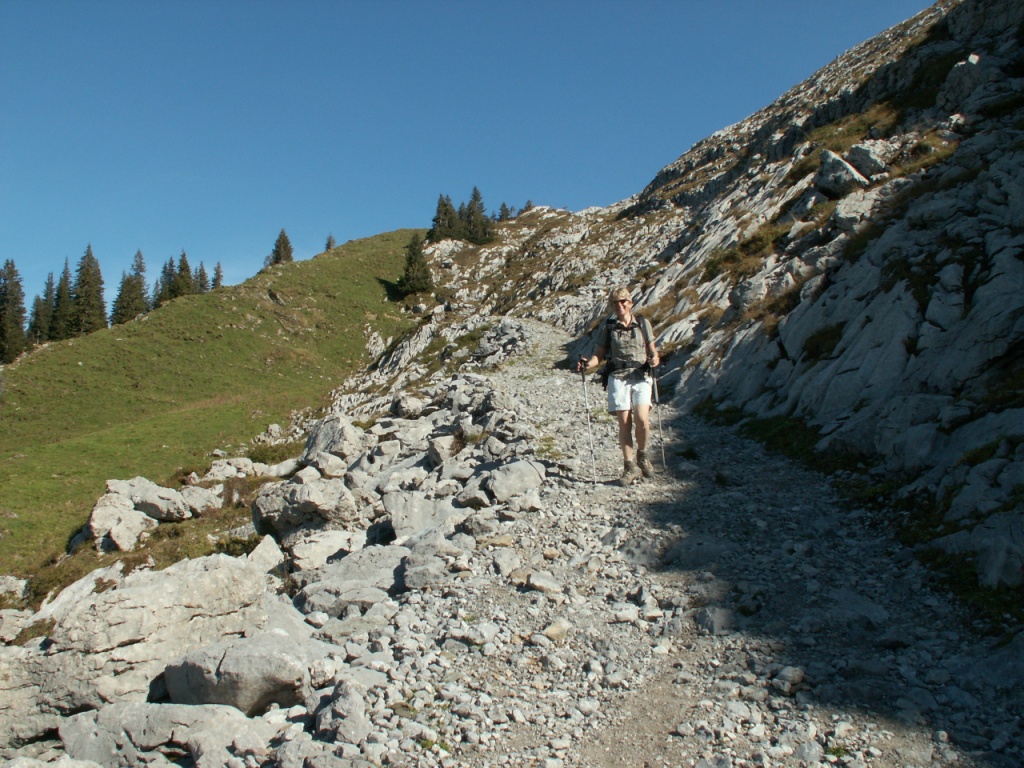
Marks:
<point>630,473</point>
<point>644,462</point>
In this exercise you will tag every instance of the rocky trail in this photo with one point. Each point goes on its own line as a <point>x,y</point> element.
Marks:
<point>732,611</point>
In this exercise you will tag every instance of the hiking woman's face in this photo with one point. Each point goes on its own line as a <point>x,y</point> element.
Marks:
<point>622,307</point>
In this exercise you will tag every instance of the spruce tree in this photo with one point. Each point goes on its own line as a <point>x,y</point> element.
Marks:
<point>218,276</point>
<point>446,221</point>
<point>12,314</point>
<point>164,287</point>
<point>416,278</point>
<point>478,225</point>
<point>201,279</point>
<point>89,312</point>
<point>119,312</point>
<point>184,280</point>
<point>131,298</point>
<point>42,313</point>
<point>139,274</point>
<point>61,322</point>
<point>330,245</point>
<point>282,253</point>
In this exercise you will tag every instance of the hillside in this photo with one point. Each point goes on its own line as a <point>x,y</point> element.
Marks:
<point>444,572</point>
<point>155,396</point>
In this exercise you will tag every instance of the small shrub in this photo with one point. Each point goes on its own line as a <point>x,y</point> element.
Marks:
<point>236,546</point>
<point>275,454</point>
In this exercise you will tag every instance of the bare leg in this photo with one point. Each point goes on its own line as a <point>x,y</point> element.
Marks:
<point>625,421</point>
<point>642,420</point>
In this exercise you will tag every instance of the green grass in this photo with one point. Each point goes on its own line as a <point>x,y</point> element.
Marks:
<point>156,396</point>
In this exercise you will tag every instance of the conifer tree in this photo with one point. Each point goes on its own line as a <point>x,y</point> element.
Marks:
<point>139,273</point>
<point>282,252</point>
<point>163,287</point>
<point>446,221</point>
<point>42,313</point>
<point>478,226</point>
<point>89,313</point>
<point>330,243</point>
<point>119,312</point>
<point>218,276</point>
<point>416,278</point>
<point>12,314</point>
<point>201,279</point>
<point>131,298</point>
<point>184,280</point>
<point>61,321</point>
<point>504,212</point>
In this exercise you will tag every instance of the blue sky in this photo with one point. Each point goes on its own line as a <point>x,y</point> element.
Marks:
<point>209,125</point>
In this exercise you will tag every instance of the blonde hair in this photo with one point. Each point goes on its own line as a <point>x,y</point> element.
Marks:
<point>621,292</point>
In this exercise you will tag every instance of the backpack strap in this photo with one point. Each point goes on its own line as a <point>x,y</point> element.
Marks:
<point>643,330</point>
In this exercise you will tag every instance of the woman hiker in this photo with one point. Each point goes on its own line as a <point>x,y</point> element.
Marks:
<point>627,342</point>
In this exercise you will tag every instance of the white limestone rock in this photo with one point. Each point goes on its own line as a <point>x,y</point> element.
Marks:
<point>250,673</point>
<point>836,177</point>
<point>115,524</point>
<point>138,734</point>
<point>300,502</point>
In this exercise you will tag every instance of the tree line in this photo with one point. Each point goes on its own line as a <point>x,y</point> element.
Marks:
<point>73,305</point>
<point>468,222</point>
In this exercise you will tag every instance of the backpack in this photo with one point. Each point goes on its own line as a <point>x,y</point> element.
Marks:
<point>606,370</point>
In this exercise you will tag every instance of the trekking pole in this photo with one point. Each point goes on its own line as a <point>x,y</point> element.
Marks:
<point>590,429</point>
<point>661,432</point>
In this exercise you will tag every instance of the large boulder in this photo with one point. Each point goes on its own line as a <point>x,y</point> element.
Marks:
<point>201,500</point>
<point>412,511</point>
<point>250,673</point>
<point>137,734</point>
<point>112,636</point>
<point>377,567</point>
<point>115,524</point>
<point>313,548</point>
<point>836,177</point>
<point>337,435</point>
<point>320,502</point>
<point>160,503</point>
<point>515,479</point>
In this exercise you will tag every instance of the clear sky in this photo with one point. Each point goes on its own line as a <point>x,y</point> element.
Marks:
<point>209,125</point>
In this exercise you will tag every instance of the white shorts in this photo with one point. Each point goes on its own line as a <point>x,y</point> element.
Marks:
<point>624,394</point>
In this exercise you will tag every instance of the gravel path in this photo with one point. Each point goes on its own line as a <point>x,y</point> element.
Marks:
<point>730,612</point>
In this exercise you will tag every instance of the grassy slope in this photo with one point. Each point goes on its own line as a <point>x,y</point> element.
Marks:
<point>157,395</point>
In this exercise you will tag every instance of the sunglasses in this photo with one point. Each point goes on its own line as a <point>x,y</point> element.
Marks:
<point>623,301</point>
